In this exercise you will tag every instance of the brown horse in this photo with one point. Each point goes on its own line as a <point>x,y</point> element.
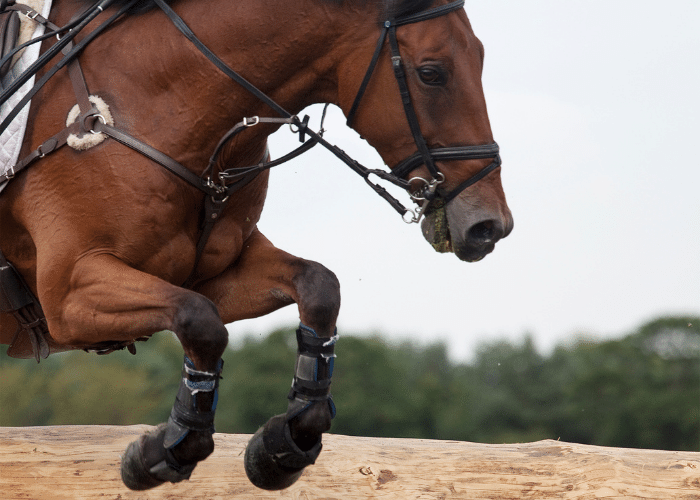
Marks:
<point>107,240</point>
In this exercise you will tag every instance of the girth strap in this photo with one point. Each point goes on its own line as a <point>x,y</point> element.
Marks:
<point>17,299</point>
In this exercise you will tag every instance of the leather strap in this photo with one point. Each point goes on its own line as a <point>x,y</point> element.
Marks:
<point>38,18</point>
<point>447,197</point>
<point>367,77</point>
<point>153,154</point>
<point>424,155</point>
<point>49,146</point>
<point>17,299</point>
<point>185,30</point>
<point>53,51</point>
<point>428,14</point>
<point>386,25</point>
<point>451,153</point>
<point>409,110</point>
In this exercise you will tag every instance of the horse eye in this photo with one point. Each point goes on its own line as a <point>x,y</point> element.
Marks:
<point>431,76</point>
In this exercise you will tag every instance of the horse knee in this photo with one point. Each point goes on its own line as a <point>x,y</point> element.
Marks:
<point>199,327</point>
<point>318,293</point>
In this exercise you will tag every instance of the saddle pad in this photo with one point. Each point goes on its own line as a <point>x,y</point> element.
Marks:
<point>11,138</point>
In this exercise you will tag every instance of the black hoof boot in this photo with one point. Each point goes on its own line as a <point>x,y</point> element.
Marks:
<point>147,464</point>
<point>273,461</point>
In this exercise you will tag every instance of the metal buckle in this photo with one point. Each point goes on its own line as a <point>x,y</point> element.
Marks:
<point>251,122</point>
<point>218,188</point>
<point>410,216</point>
<point>58,35</point>
<point>423,197</point>
<point>429,188</point>
<point>102,119</point>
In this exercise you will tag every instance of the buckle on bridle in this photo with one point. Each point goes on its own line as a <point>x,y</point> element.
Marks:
<point>429,187</point>
<point>422,196</point>
<point>251,122</point>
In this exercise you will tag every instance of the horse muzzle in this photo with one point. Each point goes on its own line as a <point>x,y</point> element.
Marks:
<point>469,234</point>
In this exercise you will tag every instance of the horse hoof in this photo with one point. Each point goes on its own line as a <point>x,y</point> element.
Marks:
<point>272,460</point>
<point>138,475</point>
<point>135,474</point>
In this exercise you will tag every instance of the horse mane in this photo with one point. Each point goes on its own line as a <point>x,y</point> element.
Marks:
<point>400,8</point>
<point>391,8</point>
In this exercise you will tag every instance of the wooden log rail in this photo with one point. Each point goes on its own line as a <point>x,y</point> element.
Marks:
<point>82,462</point>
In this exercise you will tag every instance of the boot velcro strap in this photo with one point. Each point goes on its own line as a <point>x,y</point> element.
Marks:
<point>169,469</point>
<point>317,346</point>
<point>183,416</point>
<point>309,389</point>
<point>186,414</point>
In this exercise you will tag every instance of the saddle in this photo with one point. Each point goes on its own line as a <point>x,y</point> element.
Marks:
<point>15,296</point>
<point>9,34</point>
<point>17,299</point>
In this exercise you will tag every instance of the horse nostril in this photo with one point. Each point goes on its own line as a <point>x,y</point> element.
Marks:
<point>483,232</point>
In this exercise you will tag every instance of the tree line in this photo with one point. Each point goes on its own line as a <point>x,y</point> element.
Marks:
<point>641,391</point>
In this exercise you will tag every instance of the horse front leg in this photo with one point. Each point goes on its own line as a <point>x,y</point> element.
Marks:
<point>264,279</point>
<point>108,301</point>
<point>171,452</point>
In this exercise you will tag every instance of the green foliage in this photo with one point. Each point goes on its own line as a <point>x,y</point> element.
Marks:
<point>642,391</point>
<point>82,388</point>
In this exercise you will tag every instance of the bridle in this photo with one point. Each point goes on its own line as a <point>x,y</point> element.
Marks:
<point>425,155</point>
<point>427,191</point>
<point>219,186</point>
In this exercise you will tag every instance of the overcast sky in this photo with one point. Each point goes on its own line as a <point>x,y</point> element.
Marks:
<point>595,106</point>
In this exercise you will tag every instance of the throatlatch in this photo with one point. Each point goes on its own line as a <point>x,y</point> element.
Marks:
<point>273,461</point>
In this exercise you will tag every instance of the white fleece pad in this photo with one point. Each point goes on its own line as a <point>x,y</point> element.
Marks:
<point>11,138</point>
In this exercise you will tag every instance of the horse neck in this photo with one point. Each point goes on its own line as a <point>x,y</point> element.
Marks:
<point>294,48</point>
<point>291,51</point>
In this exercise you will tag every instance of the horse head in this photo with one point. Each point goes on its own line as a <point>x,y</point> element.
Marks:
<point>421,105</point>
